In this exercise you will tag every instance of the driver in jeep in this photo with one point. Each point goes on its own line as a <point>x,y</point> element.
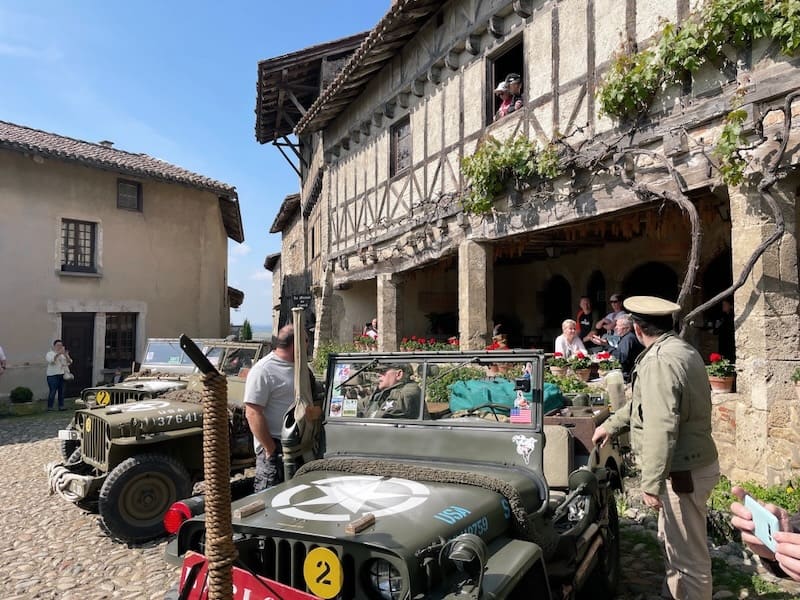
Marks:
<point>395,397</point>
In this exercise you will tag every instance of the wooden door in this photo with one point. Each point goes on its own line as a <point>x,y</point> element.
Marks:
<point>77,333</point>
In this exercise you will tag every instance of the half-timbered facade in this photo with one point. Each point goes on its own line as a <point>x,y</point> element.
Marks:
<point>380,199</point>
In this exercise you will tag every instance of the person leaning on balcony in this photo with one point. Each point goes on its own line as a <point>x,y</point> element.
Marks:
<point>569,343</point>
<point>785,561</point>
<point>501,91</point>
<point>669,417</point>
<point>514,82</point>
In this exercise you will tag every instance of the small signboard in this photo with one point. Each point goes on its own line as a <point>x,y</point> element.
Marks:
<point>301,300</point>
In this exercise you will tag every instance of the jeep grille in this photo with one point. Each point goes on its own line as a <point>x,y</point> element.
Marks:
<point>119,396</point>
<point>282,560</point>
<point>95,439</point>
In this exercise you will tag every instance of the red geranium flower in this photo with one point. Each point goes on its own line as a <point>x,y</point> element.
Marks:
<point>413,337</point>
<point>557,354</point>
<point>715,357</point>
<point>404,340</point>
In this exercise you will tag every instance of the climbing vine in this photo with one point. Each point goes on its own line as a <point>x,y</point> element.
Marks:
<point>495,164</point>
<point>634,79</point>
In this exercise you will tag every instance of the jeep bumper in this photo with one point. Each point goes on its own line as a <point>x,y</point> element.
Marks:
<point>70,485</point>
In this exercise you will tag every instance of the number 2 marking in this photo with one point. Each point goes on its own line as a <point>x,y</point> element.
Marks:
<point>325,571</point>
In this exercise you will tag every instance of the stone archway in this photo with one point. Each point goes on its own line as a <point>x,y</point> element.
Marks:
<point>652,279</point>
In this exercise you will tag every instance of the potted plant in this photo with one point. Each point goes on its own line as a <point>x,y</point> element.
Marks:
<point>721,373</point>
<point>796,379</point>
<point>581,365</point>
<point>606,363</point>
<point>557,364</point>
<point>20,395</point>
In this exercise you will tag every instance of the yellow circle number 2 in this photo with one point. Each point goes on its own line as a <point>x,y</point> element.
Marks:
<point>103,398</point>
<point>323,573</point>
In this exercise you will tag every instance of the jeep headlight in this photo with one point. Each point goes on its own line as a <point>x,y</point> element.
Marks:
<point>385,580</point>
<point>89,398</point>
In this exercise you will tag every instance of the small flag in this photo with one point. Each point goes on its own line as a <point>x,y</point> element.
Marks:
<point>521,415</point>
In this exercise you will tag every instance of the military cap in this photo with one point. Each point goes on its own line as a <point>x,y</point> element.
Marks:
<point>382,368</point>
<point>649,306</point>
<point>513,77</point>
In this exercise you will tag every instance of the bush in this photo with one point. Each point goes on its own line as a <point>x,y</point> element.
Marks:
<point>796,375</point>
<point>21,394</point>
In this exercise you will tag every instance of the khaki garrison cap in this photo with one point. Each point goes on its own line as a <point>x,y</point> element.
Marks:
<point>650,306</point>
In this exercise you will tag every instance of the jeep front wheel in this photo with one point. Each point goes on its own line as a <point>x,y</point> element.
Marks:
<point>138,492</point>
<point>604,580</point>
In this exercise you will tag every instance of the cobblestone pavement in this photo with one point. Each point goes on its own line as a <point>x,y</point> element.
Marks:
<point>52,549</point>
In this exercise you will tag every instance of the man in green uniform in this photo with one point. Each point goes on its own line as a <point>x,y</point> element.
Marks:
<point>669,417</point>
<point>395,398</point>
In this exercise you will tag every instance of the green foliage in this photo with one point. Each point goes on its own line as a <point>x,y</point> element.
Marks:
<point>20,395</point>
<point>796,375</point>
<point>420,343</point>
<point>436,387</point>
<point>567,384</point>
<point>633,79</point>
<point>731,163</point>
<point>580,361</point>
<point>246,332</point>
<point>786,495</point>
<point>319,363</point>
<point>494,164</point>
<point>720,366</point>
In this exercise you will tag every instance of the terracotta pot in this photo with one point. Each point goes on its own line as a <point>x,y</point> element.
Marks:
<point>558,371</point>
<point>583,374</point>
<point>721,384</point>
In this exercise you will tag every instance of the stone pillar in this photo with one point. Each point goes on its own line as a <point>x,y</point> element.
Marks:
<point>767,337</point>
<point>475,294</point>
<point>390,311</point>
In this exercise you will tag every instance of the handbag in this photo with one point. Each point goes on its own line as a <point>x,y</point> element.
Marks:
<point>68,376</point>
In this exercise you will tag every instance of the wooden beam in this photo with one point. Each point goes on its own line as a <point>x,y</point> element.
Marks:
<point>523,8</point>
<point>452,59</point>
<point>473,44</point>
<point>296,102</point>
<point>496,26</point>
<point>435,74</point>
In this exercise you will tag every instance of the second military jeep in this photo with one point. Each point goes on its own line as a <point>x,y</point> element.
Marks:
<point>137,446</point>
<point>469,492</point>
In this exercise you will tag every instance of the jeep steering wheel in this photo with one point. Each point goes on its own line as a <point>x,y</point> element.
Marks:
<point>492,406</point>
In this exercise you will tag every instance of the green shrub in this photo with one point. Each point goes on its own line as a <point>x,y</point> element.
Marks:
<point>319,363</point>
<point>796,375</point>
<point>21,394</point>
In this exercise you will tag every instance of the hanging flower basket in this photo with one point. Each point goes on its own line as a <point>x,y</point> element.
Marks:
<point>723,385</point>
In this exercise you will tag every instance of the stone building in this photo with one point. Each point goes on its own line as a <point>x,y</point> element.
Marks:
<point>105,248</point>
<point>381,189</point>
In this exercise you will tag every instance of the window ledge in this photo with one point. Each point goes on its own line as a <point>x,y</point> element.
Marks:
<point>95,275</point>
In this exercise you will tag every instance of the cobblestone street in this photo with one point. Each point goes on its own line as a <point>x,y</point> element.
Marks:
<point>52,549</point>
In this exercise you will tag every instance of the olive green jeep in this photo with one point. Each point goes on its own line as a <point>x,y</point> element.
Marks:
<point>441,477</point>
<point>136,447</point>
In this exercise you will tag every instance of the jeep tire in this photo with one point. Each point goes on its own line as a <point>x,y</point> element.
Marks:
<point>68,447</point>
<point>603,582</point>
<point>137,493</point>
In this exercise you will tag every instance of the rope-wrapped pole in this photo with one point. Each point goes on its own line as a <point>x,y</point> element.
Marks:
<point>220,550</point>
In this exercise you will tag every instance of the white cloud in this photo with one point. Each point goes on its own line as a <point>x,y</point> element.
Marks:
<point>240,249</point>
<point>261,276</point>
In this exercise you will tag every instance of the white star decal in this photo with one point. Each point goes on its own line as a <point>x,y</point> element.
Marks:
<point>353,493</point>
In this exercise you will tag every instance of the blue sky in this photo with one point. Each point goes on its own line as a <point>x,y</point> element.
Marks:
<point>175,80</point>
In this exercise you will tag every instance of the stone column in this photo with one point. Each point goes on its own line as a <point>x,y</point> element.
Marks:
<point>390,311</point>
<point>767,337</point>
<point>475,294</point>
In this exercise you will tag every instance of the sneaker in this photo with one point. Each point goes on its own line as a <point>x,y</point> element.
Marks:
<point>61,408</point>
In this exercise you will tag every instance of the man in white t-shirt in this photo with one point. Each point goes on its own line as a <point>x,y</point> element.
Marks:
<point>610,320</point>
<point>268,393</point>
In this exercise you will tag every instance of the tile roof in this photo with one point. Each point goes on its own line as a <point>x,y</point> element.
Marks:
<point>26,139</point>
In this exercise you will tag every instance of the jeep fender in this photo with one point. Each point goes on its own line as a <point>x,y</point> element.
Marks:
<point>516,562</point>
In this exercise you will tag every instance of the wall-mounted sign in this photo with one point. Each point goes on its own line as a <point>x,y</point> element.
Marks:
<point>301,300</point>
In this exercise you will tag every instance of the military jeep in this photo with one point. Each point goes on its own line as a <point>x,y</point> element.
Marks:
<point>138,445</point>
<point>467,493</point>
<point>165,368</point>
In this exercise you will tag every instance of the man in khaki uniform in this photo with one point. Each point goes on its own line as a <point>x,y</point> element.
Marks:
<point>395,398</point>
<point>669,417</point>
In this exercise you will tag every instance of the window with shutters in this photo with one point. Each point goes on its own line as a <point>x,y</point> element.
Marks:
<point>129,195</point>
<point>400,150</point>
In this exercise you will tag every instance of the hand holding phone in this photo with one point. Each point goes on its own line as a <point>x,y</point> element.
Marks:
<point>766,524</point>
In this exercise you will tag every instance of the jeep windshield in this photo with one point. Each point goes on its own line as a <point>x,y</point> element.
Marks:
<point>460,388</point>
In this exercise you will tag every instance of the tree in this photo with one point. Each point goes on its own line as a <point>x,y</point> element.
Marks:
<point>246,332</point>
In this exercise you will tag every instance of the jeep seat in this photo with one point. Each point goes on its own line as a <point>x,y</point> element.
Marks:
<point>558,456</point>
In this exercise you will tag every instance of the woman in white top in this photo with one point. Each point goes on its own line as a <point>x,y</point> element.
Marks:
<point>58,361</point>
<point>569,342</point>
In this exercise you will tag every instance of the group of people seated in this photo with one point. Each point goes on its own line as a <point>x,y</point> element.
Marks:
<point>613,334</point>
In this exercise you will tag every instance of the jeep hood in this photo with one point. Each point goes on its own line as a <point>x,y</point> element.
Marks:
<point>157,386</point>
<point>148,416</point>
<point>408,514</point>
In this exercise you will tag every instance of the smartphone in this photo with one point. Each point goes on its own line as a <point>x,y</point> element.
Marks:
<point>766,523</point>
